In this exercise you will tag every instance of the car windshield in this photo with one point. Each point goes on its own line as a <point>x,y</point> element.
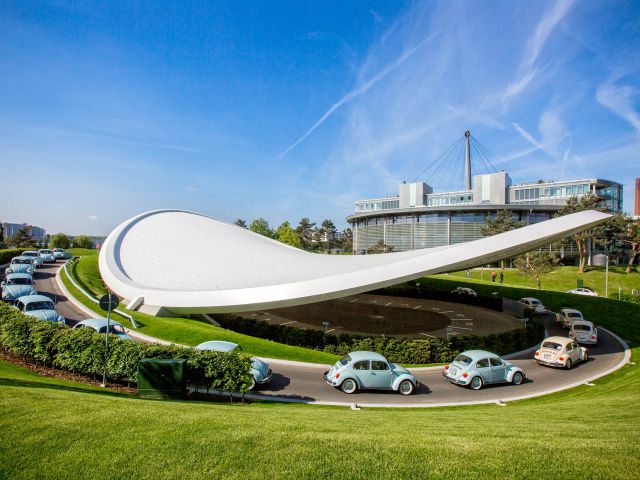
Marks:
<point>573,315</point>
<point>117,329</point>
<point>536,302</point>
<point>57,250</point>
<point>30,254</point>
<point>345,360</point>
<point>463,359</point>
<point>45,251</point>
<point>39,306</point>
<point>18,281</point>
<point>552,346</point>
<point>585,328</point>
<point>20,261</point>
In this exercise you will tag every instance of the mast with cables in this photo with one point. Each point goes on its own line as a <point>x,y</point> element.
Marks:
<point>467,160</point>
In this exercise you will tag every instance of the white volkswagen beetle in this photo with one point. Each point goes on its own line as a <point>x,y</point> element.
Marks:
<point>568,315</point>
<point>534,304</point>
<point>583,331</point>
<point>560,352</point>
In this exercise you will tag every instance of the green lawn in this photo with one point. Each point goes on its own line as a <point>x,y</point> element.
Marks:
<point>58,429</point>
<point>564,278</point>
<point>184,330</point>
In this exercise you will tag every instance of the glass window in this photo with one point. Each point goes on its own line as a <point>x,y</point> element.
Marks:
<point>552,346</point>
<point>496,362</point>
<point>484,363</point>
<point>569,347</point>
<point>379,365</point>
<point>463,359</point>
<point>345,360</point>
<point>361,365</point>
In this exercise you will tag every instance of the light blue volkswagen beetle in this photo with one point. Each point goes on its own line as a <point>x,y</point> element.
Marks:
<point>60,254</point>
<point>40,307</point>
<point>476,368</point>
<point>369,370</point>
<point>20,264</point>
<point>34,256</point>
<point>47,255</point>
<point>100,326</point>
<point>17,285</point>
<point>260,370</point>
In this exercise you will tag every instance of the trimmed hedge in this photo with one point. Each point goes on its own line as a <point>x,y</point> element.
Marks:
<point>82,351</point>
<point>398,350</point>
<point>626,297</point>
<point>7,254</point>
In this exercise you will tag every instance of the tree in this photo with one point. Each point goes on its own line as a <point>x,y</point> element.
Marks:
<point>305,230</point>
<point>261,226</point>
<point>59,240</point>
<point>2,245</point>
<point>83,241</point>
<point>327,234</point>
<point>537,263</point>
<point>241,223</point>
<point>381,247</point>
<point>610,234</point>
<point>286,234</point>
<point>573,205</point>
<point>504,221</point>
<point>346,239</point>
<point>22,239</point>
<point>632,238</point>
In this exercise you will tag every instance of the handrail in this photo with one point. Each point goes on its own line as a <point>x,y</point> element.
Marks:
<point>91,297</point>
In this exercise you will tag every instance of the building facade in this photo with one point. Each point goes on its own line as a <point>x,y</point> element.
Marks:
<point>419,218</point>
<point>11,229</point>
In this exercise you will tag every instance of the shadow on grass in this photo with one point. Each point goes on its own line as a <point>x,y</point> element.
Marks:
<point>14,382</point>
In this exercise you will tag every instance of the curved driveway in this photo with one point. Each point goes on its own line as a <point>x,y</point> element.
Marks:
<point>295,382</point>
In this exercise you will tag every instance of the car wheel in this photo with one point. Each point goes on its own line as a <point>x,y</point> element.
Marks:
<point>569,364</point>
<point>406,387</point>
<point>517,378</point>
<point>349,386</point>
<point>476,383</point>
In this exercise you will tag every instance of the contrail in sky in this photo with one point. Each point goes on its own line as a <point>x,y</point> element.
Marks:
<point>356,92</point>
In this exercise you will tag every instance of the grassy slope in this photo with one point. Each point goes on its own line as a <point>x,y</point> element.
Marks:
<point>564,279</point>
<point>52,428</point>
<point>183,330</point>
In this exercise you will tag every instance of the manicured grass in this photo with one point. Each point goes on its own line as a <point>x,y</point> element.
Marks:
<point>186,331</point>
<point>564,278</point>
<point>57,429</point>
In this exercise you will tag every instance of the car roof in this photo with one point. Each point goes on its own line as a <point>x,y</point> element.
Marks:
<point>582,322</point>
<point>562,340</point>
<point>21,257</point>
<point>96,323</point>
<point>29,251</point>
<point>34,298</point>
<point>478,354</point>
<point>530,299</point>
<point>218,346</point>
<point>19,275</point>
<point>572,310</point>
<point>44,250</point>
<point>365,355</point>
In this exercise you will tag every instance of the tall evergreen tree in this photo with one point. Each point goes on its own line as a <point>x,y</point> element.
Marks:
<point>22,239</point>
<point>327,233</point>
<point>305,230</point>
<point>573,205</point>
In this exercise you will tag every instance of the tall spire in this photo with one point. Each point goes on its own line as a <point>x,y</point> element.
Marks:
<point>467,163</point>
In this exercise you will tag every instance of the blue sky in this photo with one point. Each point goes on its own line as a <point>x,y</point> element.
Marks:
<point>289,109</point>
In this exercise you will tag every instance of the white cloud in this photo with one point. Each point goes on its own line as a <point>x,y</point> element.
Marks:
<point>535,44</point>
<point>93,218</point>
<point>619,99</point>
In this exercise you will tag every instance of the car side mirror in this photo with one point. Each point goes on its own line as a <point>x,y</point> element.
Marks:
<point>3,283</point>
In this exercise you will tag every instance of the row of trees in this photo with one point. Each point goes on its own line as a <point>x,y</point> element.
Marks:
<point>306,235</point>
<point>22,239</point>
<point>618,234</point>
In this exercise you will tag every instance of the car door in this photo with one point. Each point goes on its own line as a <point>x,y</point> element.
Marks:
<point>575,352</point>
<point>498,370</point>
<point>362,370</point>
<point>484,369</point>
<point>380,374</point>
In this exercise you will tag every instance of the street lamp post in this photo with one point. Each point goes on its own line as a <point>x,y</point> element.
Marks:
<point>606,276</point>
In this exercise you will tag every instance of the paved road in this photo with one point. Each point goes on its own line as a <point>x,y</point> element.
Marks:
<point>305,383</point>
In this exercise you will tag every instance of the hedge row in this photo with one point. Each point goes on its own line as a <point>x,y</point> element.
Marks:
<point>398,350</point>
<point>7,254</point>
<point>626,297</point>
<point>82,351</point>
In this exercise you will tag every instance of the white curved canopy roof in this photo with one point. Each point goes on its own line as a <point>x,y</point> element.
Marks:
<point>191,263</point>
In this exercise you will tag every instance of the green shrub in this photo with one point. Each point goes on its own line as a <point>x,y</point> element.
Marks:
<point>7,254</point>
<point>83,352</point>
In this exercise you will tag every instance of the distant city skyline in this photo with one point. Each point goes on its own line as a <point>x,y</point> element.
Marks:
<point>286,110</point>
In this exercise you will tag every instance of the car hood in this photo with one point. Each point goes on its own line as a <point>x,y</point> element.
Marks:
<point>48,315</point>
<point>398,370</point>
<point>19,268</point>
<point>259,367</point>
<point>17,291</point>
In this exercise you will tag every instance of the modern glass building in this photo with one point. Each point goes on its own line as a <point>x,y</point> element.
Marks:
<point>419,218</point>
